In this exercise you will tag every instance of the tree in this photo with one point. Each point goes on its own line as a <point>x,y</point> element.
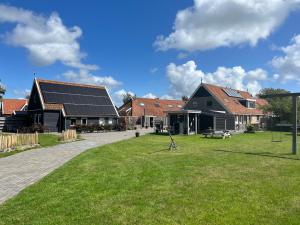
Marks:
<point>279,106</point>
<point>185,98</point>
<point>128,97</point>
<point>2,90</point>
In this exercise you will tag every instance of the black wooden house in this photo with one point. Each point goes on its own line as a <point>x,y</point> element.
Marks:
<point>59,105</point>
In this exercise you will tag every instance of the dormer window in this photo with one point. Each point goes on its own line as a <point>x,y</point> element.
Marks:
<point>195,104</point>
<point>248,103</point>
<point>251,104</point>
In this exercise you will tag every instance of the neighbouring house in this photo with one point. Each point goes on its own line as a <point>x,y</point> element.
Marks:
<point>146,112</point>
<point>13,114</point>
<point>9,107</point>
<point>60,105</point>
<point>217,108</point>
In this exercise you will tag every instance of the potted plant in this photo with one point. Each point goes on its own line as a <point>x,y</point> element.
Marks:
<point>137,134</point>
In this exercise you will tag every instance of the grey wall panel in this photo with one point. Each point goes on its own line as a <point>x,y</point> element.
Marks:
<point>52,121</point>
<point>34,100</point>
<point>230,123</point>
<point>220,123</point>
<point>200,99</point>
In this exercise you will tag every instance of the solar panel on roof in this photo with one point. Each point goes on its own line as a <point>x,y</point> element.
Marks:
<point>232,93</point>
<point>78,100</point>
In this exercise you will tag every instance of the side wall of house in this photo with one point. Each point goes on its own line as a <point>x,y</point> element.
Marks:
<point>204,101</point>
<point>53,121</point>
<point>224,123</point>
<point>34,100</point>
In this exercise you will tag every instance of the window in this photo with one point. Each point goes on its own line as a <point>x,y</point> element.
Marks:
<point>209,103</point>
<point>195,104</point>
<point>38,118</point>
<point>251,104</point>
<point>170,106</point>
<point>101,121</point>
<point>156,105</point>
<point>110,121</point>
<point>142,104</point>
<point>84,121</point>
<point>73,122</point>
<point>257,118</point>
<point>179,106</point>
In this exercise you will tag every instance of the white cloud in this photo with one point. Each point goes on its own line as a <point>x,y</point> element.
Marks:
<point>185,78</point>
<point>288,65</point>
<point>85,77</point>
<point>21,93</point>
<point>210,24</point>
<point>118,96</point>
<point>166,96</point>
<point>149,95</point>
<point>153,70</point>
<point>182,55</point>
<point>47,39</point>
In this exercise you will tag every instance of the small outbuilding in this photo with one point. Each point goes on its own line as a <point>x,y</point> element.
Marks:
<point>60,105</point>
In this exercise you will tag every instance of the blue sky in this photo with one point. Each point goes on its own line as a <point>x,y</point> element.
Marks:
<point>234,45</point>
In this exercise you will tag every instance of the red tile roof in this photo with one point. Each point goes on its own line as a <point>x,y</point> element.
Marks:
<point>150,107</point>
<point>9,106</point>
<point>232,104</point>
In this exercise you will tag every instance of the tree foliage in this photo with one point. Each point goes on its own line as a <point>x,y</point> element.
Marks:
<point>2,90</point>
<point>128,97</point>
<point>185,98</point>
<point>279,106</point>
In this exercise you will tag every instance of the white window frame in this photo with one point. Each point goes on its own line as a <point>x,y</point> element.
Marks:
<point>71,121</point>
<point>101,121</point>
<point>85,120</point>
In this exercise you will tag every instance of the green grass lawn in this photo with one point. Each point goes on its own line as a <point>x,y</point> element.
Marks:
<point>45,140</point>
<point>243,180</point>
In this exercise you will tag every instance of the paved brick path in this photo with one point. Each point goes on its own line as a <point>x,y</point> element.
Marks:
<point>23,169</point>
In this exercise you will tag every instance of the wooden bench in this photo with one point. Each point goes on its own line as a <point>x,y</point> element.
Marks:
<point>222,134</point>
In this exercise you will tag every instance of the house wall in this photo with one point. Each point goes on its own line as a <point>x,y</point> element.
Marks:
<point>224,122</point>
<point>34,100</point>
<point>92,120</point>
<point>52,121</point>
<point>200,99</point>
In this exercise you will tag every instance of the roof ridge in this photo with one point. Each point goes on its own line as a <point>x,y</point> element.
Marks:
<point>70,83</point>
<point>159,99</point>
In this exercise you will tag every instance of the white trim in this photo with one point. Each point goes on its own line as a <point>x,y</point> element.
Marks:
<point>218,111</point>
<point>111,101</point>
<point>40,93</point>
<point>86,119</point>
<point>22,109</point>
<point>63,111</point>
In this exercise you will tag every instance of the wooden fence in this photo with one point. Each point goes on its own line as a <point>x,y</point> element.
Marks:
<point>13,141</point>
<point>68,135</point>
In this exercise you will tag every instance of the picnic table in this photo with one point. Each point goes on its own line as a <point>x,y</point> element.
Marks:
<point>223,134</point>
